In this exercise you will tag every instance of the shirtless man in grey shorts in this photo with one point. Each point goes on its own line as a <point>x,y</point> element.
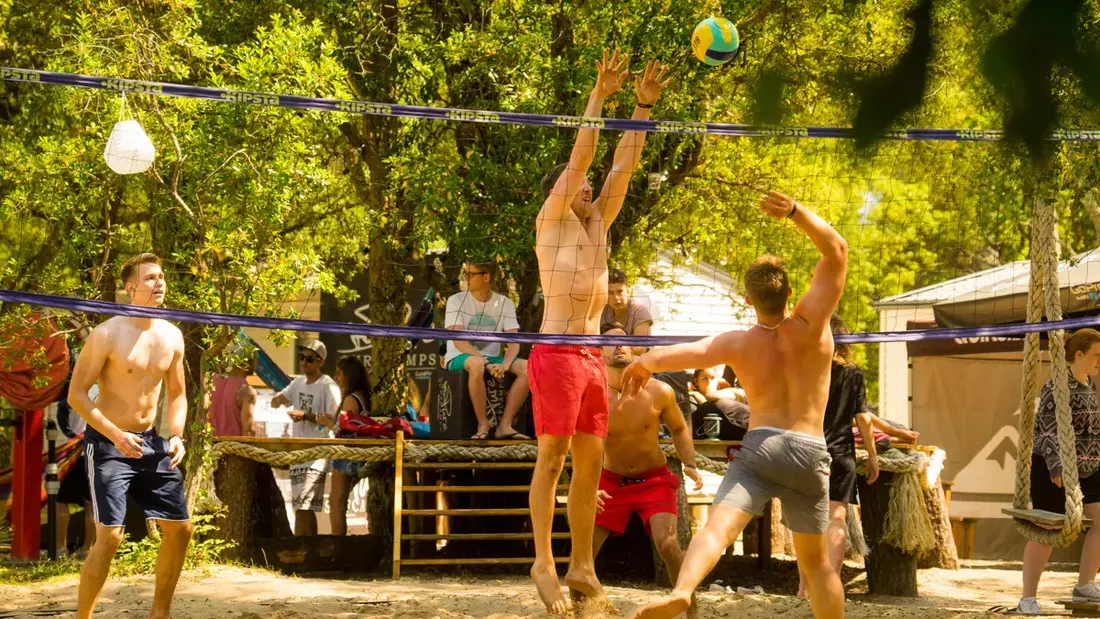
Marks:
<point>784,365</point>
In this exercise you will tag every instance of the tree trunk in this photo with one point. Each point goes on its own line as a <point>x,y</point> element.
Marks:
<point>380,500</point>
<point>387,291</point>
<point>196,433</point>
<point>944,555</point>
<point>782,538</point>
<point>778,538</point>
<point>889,570</point>
<point>254,506</point>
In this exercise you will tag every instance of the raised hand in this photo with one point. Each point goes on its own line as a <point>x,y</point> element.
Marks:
<point>611,72</point>
<point>776,205</point>
<point>651,82</point>
<point>635,378</point>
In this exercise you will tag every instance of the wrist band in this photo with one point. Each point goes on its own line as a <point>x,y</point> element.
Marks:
<point>794,209</point>
<point>644,105</point>
<point>690,466</point>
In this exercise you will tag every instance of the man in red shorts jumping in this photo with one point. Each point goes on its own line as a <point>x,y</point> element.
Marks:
<point>569,383</point>
<point>635,476</point>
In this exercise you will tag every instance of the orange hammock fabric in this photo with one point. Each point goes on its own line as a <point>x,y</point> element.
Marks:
<point>25,381</point>
<point>67,453</point>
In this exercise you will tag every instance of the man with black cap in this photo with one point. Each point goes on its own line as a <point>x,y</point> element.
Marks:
<point>314,400</point>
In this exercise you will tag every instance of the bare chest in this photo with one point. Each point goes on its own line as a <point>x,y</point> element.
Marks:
<point>140,355</point>
<point>570,241</point>
<point>632,417</point>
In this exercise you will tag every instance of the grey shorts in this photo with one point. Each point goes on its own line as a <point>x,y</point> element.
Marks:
<point>307,489</point>
<point>790,466</point>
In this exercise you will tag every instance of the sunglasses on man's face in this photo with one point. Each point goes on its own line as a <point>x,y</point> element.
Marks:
<point>309,358</point>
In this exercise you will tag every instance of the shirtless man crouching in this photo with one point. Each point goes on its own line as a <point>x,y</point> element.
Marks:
<point>130,358</point>
<point>635,475</point>
<point>784,364</point>
<point>569,383</point>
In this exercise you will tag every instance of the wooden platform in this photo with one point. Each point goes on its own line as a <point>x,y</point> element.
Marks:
<point>1082,609</point>
<point>720,451</point>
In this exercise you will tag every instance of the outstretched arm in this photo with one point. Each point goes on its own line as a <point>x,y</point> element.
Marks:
<point>704,353</point>
<point>611,73</point>
<point>819,303</point>
<point>629,151</point>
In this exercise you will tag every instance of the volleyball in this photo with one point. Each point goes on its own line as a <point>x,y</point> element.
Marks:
<point>715,41</point>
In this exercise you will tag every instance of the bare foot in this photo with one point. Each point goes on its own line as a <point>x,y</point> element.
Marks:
<point>665,608</point>
<point>693,609</point>
<point>802,594</point>
<point>546,581</point>
<point>584,606</point>
<point>585,582</point>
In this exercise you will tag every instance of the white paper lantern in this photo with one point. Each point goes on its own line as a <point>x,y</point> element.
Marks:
<point>129,150</point>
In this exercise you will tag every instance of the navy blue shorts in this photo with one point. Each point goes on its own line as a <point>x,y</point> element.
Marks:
<point>157,489</point>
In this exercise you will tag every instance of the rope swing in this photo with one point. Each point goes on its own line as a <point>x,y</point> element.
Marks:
<point>1043,298</point>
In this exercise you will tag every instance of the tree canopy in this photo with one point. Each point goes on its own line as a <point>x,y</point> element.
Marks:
<point>250,205</point>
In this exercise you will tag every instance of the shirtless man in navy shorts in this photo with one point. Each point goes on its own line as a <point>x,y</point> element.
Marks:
<point>784,365</point>
<point>131,358</point>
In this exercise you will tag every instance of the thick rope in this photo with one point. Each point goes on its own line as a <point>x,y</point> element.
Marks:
<point>908,522</point>
<point>702,462</point>
<point>298,456</point>
<point>413,453</point>
<point>1044,298</point>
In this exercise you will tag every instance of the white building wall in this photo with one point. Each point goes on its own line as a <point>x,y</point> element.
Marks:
<point>893,367</point>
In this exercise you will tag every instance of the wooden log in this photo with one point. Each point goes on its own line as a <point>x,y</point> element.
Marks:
<point>889,570</point>
<point>944,555</point>
<point>254,506</point>
<point>683,525</point>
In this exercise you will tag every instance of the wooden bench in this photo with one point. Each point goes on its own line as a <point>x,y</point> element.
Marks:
<point>962,529</point>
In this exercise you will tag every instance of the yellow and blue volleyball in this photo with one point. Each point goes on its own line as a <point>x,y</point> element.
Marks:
<point>715,41</point>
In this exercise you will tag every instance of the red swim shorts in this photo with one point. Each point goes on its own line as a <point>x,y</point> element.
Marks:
<point>649,493</point>
<point>568,390</point>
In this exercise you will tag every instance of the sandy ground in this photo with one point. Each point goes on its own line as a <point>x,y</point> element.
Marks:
<point>254,594</point>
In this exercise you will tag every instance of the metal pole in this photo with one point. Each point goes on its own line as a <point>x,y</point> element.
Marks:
<point>52,484</point>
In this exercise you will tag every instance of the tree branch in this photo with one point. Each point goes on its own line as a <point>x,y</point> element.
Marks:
<point>176,169</point>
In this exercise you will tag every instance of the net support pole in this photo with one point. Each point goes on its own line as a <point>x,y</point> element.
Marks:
<point>52,486</point>
<point>26,539</point>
